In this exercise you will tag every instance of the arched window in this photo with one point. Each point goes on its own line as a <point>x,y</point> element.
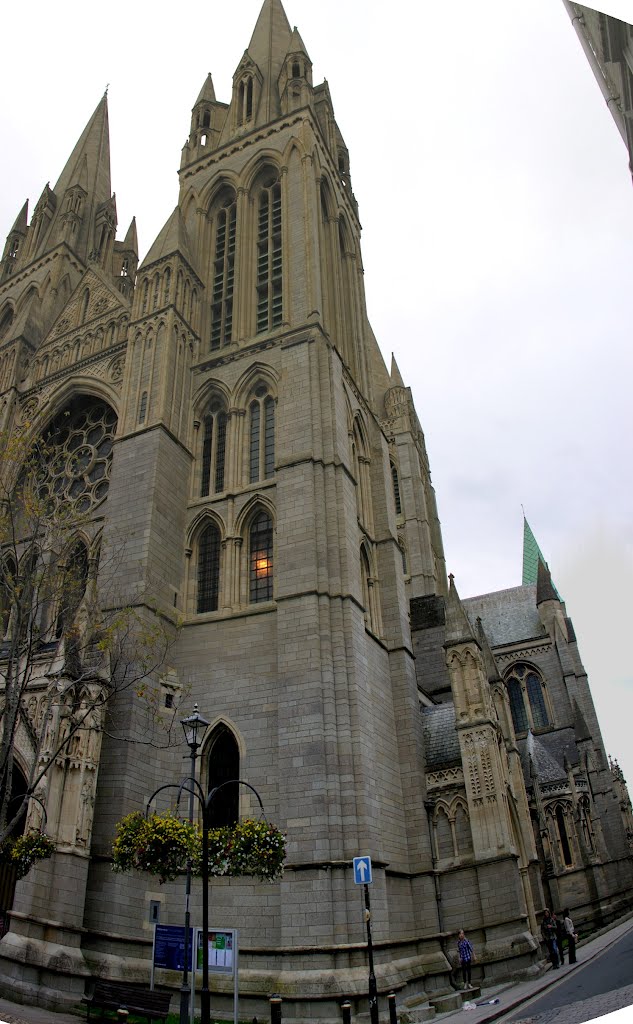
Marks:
<point>213,450</point>
<point>142,412</point>
<point>269,255</point>
<point>361,472</point>
<point>586,825</point>
<point>565,848</point>
<point>261,435</point>
<point>367,584</point>
<point>224,224</point>
<point>209,547</point>
<point>527,699</point>
<point>167,287</point>
<point>6,321</point>
<point>261,559</point>
<point>396,488</point>
<point>223,766</point>
<point>296,70</point>
<point>72,587</point>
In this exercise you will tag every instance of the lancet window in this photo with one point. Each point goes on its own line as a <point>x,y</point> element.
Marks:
<point>223,767</point>
<point>213,449</point>
<point>261,558</point>
<point>209,551</point>
<point>527,699</point>
<point>269,255</point>
<point>261,435</point>
<point>223,273</point>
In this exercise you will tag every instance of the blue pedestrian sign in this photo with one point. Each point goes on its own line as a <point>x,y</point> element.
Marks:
<point>362,870</point>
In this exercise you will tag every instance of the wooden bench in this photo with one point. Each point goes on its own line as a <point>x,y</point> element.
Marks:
<point>115,995</point>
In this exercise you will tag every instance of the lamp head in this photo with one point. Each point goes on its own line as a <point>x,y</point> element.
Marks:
<point>193,728</point>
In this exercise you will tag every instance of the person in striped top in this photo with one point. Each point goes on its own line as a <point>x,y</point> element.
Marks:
<point>466,957</point>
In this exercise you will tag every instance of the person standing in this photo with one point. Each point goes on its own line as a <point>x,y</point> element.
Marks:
<point>548,932</point>
<point>560,935</point>
<point>466,957</point>
<point>570,932</point>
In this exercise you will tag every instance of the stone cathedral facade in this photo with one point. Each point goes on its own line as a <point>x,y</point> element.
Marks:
<point>264,478</point>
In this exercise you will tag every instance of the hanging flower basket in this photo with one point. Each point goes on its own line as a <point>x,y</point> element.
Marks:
<point>23,852</point>
<point>248,848</point>
<point>162,845</point>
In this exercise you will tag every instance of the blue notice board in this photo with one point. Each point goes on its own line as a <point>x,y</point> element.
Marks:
<point>169,947</point>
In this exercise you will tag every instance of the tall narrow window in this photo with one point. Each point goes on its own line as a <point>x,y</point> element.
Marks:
<point>223,769</point>
<point>72,587</point>
<point>517,707</point>
<point>223,273</point>
<point>527,698</point>
<point>213,450</point>
<point>565,848</point>
<point>261,559</point>
<point>396,489</point>
<point>209,569</point>
<point>537,701</point>
<point>261,436</point>
<point>269,257</point>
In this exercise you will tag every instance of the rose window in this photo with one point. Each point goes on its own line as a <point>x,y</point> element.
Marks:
<point>79,441</point>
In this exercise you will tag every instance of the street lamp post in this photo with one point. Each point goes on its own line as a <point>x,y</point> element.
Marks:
<point>193,727</point>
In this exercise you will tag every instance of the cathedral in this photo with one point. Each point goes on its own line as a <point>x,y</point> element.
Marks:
<point>263,479</point>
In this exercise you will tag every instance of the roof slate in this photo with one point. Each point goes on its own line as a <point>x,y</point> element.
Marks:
<point>508,616</point>
<point>441,742</point>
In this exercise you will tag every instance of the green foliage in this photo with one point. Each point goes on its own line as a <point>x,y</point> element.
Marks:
<point>162,845</point>
<point>23,852</point>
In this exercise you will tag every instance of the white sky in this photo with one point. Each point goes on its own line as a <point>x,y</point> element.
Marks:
<point>498,242</point>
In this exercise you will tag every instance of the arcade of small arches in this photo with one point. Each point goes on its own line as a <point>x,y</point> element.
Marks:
<point>451,833</point>
<point>73,351</point>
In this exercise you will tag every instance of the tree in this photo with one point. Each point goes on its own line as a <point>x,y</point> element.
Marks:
<point>68,645</point>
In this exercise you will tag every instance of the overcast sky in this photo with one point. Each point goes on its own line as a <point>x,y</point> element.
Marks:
<point>497,212</point>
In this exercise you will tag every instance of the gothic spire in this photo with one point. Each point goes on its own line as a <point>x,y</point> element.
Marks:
<point>268,47</point>
<point>207,93</point>
<point>545,589</point>
<point>396,376</point>
<point>458,628</point>
<point>89,162</point>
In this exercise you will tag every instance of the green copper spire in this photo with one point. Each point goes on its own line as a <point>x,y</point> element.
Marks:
<point>532,555</point>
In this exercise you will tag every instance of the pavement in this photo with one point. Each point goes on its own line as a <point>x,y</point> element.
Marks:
<point>512,998</point>
<point>515,998</point>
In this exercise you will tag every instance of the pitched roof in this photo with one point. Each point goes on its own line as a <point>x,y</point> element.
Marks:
<point>507,615</point>
<point>441,742</point>
<point>172,238</point>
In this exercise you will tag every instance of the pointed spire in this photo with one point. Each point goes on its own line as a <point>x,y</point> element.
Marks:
<point>21,221</point>
<point>173,238</point>
<point>268,48</point>
<point>458,628</point>
<point>297,44</point>
<point>396,376</point>
<point>131,241</point>
<point>89,162</point>
<point>207,93</point>
<point>545,589</point>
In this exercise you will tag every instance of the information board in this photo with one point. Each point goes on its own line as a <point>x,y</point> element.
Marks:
<point>169,947</point>
<point>221,945</point>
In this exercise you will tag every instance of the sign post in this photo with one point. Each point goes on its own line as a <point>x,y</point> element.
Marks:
<point>363,876</point>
